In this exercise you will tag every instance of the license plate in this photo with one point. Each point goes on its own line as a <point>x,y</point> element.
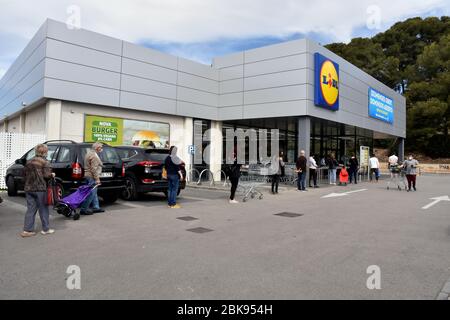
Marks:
<point>106,175</point>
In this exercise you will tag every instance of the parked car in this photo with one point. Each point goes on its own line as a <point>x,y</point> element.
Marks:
<point>143,171</point>
<point>67,159</point>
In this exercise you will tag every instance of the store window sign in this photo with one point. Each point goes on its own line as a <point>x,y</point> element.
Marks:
<point>381,107</point>
<point>118,131</point>
<point>108,130</point>
<point>326,86</point>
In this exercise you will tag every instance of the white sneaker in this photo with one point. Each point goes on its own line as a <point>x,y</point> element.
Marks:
<point>234,201</point>
<point>49,231</point>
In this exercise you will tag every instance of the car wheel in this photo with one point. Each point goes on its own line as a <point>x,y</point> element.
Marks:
<point>110,198</point>
<point>130,193</point>
<point>166,194</point>
<point>12,188</point>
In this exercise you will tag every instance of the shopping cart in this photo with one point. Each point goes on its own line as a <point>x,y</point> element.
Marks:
<point>398,177</point>
<point>250,190</point>
<point>250,184</point>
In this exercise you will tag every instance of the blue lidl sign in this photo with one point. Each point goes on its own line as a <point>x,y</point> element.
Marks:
<point>381,107</point>
<point>326,82</point>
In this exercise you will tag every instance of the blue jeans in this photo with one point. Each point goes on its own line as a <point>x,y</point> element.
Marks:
<point>36,201</point>
<point>174,182</point>
<point>91,199</point>
<point>301,181</point>
<point>332,175</point>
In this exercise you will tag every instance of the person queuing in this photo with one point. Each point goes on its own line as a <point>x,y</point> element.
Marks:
<point>353,169</point>
<point>374,166</point>
<point>234,173</point>
<point>411,166</point>
<point>313,171</point>
<point>332,167</point>
<point>301,165</point>
<point>93,166</point>
<point>174,176</point>
<point>37,173</point>
<point>277,171</point>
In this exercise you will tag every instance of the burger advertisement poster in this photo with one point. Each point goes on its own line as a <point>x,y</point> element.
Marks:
<point>118,131</point>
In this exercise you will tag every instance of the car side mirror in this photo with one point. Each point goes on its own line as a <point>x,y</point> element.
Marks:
<point>20,161</point>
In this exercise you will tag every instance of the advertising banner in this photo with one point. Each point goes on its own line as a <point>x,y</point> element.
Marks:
<point>118,131</point>
<point>326,83</point>
<point>381,107</point>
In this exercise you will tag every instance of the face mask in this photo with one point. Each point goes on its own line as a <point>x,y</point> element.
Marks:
<point>410,158</point>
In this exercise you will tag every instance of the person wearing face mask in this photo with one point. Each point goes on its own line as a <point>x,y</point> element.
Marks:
<point>174,175</point>
<point>411,166</point>
<point>93,166</point>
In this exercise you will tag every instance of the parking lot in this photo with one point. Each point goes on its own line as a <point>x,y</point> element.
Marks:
<point>318,248</point>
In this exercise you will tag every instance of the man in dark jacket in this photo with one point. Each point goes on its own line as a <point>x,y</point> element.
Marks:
<point>234,173</point>
<point>301,171</point>
<point>353,168</point>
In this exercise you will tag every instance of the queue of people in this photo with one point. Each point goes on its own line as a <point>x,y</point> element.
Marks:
<point>38,172</point>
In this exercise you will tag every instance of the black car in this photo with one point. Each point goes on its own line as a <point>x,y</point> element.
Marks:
<point>143,171</point>
<point>67,159</point>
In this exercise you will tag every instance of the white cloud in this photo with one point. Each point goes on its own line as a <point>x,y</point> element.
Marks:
<point>200,20</point>
<point>187,21</point>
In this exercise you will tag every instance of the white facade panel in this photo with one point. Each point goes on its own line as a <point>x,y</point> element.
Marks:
<point>297,92</point>
<point>81,37</point>
<point>286,78</point>
<point>188,109</point>
<point>64,90</point>
<point>81,74</point>
<point>83,56</point>
<point>231,86</point>
<point>148,71</point>
<point>148,87</point>
<point>197,82</point>
<point>274,65</point>
<point>231,99</point>
<point>197,97</point>
<point>148,55</point>
<point>275,51</point>
<point>230,73</point>
<point>198,69</point>
<point>144,102</point>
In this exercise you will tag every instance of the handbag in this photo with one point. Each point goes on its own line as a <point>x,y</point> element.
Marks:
<point>164,173</point>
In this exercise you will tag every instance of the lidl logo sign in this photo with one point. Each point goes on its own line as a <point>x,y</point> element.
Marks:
<point>326,84</point>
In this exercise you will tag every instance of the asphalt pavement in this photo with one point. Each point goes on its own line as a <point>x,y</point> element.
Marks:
<point>320,247</point>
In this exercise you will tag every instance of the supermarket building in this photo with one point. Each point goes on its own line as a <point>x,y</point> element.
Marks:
<point>68,83</point>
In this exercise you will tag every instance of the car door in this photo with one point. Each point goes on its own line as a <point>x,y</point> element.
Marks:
<point>62,163</point>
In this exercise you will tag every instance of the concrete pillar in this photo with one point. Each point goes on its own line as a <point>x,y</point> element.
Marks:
<point>53,110</point>
<point>22,128</point>
<point>304,135</point>
<point>215,152</point>
<point>188,138</point>
<point>304,139</point>
<point>401,150</point>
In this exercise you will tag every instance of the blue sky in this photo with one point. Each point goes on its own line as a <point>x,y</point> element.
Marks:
<point>202,29</point>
